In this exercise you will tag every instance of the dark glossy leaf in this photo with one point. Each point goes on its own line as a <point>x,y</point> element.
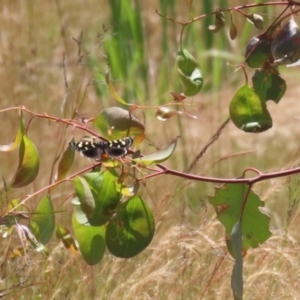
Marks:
<point>258,52</point>
<point>228,201</point>
<point>286,45</point>
<point>91,241</point>
<point>43,221</point>
<point>189,72</point>
<point>157,157</point>
<point>268,85</point>
<point>115,123</point>
<point>249,112</point>
<point>28,164</point>
<point>131,230</point>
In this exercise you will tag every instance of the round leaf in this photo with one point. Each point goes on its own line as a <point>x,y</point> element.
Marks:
<point>248,111</point>
<point>91,240</point>
<point>228,201</point>
<point>106,197</point>
<point>268,86</point>
<point>258,52</point>
<point>132,229</point>
<point>116,123</point>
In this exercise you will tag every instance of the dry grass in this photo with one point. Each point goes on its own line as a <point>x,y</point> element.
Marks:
<point>187,258</point>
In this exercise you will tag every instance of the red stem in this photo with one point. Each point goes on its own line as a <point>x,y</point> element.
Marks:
<point>164,170</point>
<point>237,8</point>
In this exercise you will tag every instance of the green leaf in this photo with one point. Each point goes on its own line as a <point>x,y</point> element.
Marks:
<point>132,229</point>
<point>65,163</point>
<point>249,112</point>
<point>12,146</point>
<point>17,213</point>
<point>43,221</point>
<point>127,189</point>
<point>258,52</point>
<point>116,123</point>
<point>85,196</point>
<point>189,73</point>
<point>237,272</point>
<point>79,212</point>
<point>106,197</point>
<point>91,241</point>
<point>228,201</point>
<point>28,164</point>
<point>268,86</point>
<point>97,198</point>
<point>157,157</point>
<point>63,234</point>
<point>18,139</point>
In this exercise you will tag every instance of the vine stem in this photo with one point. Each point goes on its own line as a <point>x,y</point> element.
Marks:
<point>162,169</point>
<point>237,8</point>
<point>250,181</point>
<point>45,116</point>
<point>165,170</point>
<point>48,187</point>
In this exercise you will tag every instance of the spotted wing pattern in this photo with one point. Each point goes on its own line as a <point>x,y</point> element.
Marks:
<point>95,149</point>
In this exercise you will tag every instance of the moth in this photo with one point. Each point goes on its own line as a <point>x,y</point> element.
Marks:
<point>96,149</point>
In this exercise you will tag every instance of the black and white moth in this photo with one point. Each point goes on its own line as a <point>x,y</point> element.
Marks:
<point>95,149</point>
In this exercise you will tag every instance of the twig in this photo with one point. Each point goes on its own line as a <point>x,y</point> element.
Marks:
<point>65,76</point>
<point>212,140</point>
